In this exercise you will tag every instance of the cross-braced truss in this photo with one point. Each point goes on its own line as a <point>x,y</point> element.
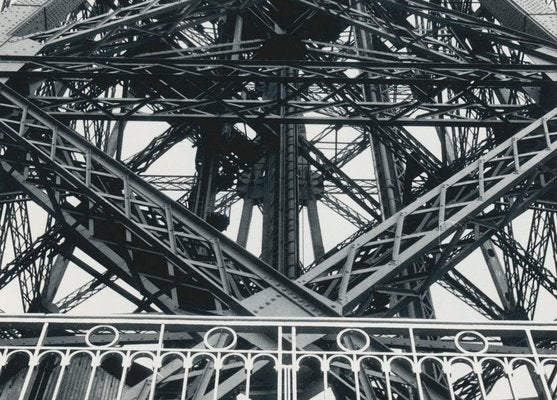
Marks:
<point>423,131</point>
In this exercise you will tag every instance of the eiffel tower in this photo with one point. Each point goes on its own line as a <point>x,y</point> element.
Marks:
<point>286,198</point>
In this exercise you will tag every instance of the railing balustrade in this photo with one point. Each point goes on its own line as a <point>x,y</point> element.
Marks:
<point>165,357</point>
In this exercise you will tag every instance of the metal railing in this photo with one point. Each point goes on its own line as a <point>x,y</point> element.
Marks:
<point>165,357</point>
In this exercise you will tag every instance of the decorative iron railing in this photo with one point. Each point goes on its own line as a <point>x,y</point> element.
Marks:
<point>163,357</point>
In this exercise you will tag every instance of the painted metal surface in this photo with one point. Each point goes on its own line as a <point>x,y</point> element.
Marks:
<point>131,346</point>
<point>214,70</point>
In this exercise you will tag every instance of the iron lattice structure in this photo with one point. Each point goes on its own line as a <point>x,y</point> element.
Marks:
<point>427,127</point>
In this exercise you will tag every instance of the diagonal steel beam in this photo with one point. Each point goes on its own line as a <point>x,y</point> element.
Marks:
<point>436,216</point>
<point>180,228</point>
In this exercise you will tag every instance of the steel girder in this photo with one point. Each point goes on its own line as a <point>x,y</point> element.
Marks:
<point>80,167</point>
<point>72,161</point>
<point>214,260</point>
<point>385,289</point>
<point>442,223</point>
<point>338,109</point>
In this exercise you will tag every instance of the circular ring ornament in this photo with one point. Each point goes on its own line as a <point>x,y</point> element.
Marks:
<point>94,329</point>
<point>341,334</point>
<point>211,331</point>
<point>476,335</point>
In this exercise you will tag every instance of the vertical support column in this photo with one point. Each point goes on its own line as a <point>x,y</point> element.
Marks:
<point>245,221</point>
<point>288,191</point>
<point>3,230</point>
<point>280,208</point>
<point>269,244</point>
<point>203,199</point>
<point>309,187</point>
<point>497,275</point>
<point>384,160</point>
<point>114,141</point>
<point>385,171</point>
<point>281,197</point>
<point>315,228</point>
<point>208,155</point>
